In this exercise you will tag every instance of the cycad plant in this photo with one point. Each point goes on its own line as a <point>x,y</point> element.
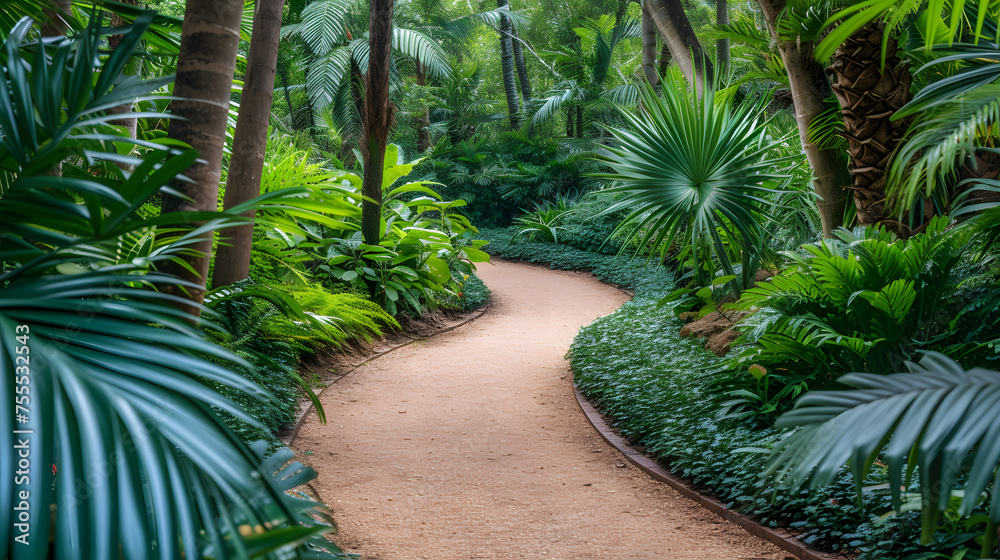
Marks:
<point>692,170</point>
<point>107,383</point>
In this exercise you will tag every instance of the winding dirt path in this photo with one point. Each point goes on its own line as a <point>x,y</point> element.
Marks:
<point>470,445</point>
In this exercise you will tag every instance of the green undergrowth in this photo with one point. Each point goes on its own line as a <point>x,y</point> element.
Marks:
<point>660,391</point>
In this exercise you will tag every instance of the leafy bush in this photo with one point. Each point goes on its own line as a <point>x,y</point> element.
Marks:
<point>659,390</point>
<point>865,302</point>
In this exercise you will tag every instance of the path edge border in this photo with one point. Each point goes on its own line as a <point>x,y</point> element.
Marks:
<point>779,537</point>
<point>310,407</point>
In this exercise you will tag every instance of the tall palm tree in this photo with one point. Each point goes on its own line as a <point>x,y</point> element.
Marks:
<point>232,261</point>
<point>810,88</point>
<point>679,37</point>
<point>205,68</point>
<point>507,70</point>
<point>586,67</point>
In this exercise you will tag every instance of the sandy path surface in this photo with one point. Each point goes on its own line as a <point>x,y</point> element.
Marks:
<point>470,445</point>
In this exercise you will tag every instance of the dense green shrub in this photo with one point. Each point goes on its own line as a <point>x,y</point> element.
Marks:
<point>658,390</point>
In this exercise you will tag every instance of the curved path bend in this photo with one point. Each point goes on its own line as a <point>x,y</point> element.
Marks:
<point>470,445</point>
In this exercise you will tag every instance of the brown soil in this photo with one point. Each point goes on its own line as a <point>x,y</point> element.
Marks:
<point>470,445</point>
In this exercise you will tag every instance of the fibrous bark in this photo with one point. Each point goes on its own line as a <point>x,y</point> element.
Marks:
<point>209,39</point>
<point>232,262</point>
<point>869,95</point>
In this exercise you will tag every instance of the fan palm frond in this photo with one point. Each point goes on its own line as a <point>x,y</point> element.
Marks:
<point>421,47</point>
<point>322,25</point>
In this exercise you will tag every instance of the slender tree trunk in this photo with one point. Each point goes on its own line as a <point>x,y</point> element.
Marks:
<point>507,67</point>
<point>670,19</point>
<point>288,97</point>
<point>869,95</point>
<point>377,118</point>
<point>579,121</point>
<point>649,49</point>
<point>722,45</point>
<point>209,39</point>
<point>522,70</point>
<point>569,122</point>
<point>130,124</point>
<point>232,262</point>
<point>57,16</point>
<point>664,60</point>
<point>809,88</point>
<point>423,118</point>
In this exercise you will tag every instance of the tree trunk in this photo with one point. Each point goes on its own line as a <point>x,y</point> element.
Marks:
<point>649,49</point>
<point>57,18</point>
<point>670,19</point>
<point>376,119</point>
<point>130,124</point>
<point>209,39</point>
<point>232,262</point>
<point>507,67</point>
<point>664,60</point>
<point>522,70</point>
<point>423,118</point>
<point>579,121</point>
<point>569,122</point>
<point>868,97</point>
<point>809,89</point>
<point>722,45</point>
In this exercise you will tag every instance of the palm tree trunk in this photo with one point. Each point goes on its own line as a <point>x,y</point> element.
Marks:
<point>670,19</point>
<point>507,67</point>
<point>579,121</point>
<point>664,59</point>
<point>722,45</point>
<point>423,119</point>
<point>649,49</point>
<point>232,262</point>
<point>376,118</point>
<point>209,39</point>
<point>809,88</point>
<point>57,18</point>
<point>569,122</point>
<point>869,95</point>
<point>522,70</point>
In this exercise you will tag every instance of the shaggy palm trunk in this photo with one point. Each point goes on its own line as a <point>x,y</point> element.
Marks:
<point>507,67</point>
<point>722,45</point>
<point>809,88</point>
<point>423,118</point>
<point>649,49</point>
<point>522,70</point>
<point>674,27</point>
<point>376,121</point>
<point>209,39</point>
<point>232,262</point>
<point>869,95</point>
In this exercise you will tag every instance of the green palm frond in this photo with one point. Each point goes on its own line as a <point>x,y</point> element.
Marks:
<point>985,59</point>
<point>120,381</point>
<point>625,95</point>
<point>940,19</point>
<point>940,141</point>
<point>551,105</point>
<point>744,31</point>
<point>322,26</point>
<point>938,418</point>
<point>327,75</point>
<point>421,47</point>
<point>465,25</point>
